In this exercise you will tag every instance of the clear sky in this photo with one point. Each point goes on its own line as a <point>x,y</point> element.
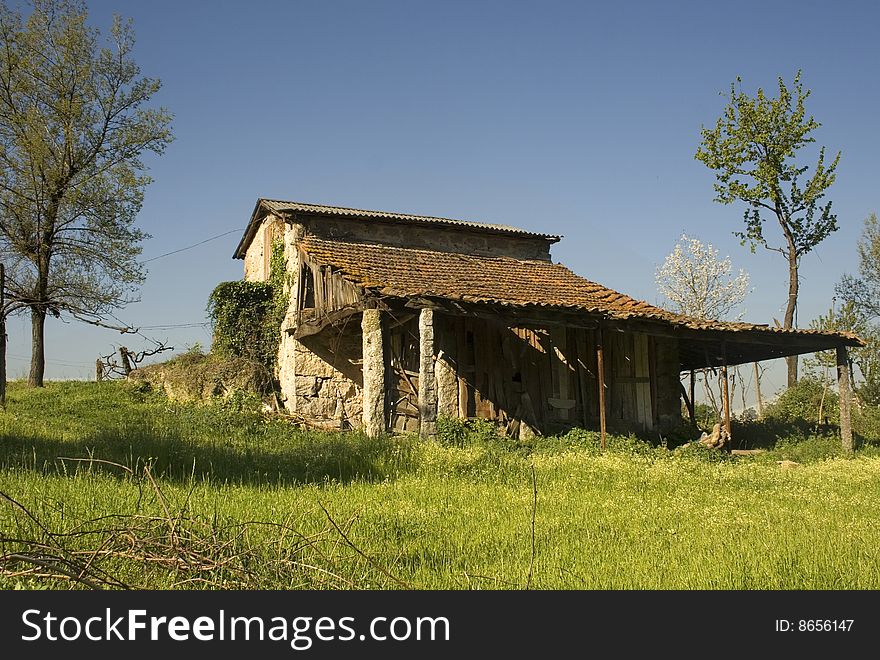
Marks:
<point>578,118</point>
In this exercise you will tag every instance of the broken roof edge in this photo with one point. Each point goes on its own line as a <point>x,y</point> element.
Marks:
<point>601,307</point>
<point>281,207</point>
<point>665,318</point>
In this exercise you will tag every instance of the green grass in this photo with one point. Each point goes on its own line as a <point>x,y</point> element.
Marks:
<point>219,497</point>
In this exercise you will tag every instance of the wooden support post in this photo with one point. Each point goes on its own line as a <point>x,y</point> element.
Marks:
<point>600,368</point>
<point>126,363</point>
<point>688,403</point>
<point>582,361</point>
<point>725,393</point>
<point>693,391</point>
<point>374,373</point>
<point>99,370</point>
<point>844,391</point>
<point>427,380</point>
<point>758,401</point>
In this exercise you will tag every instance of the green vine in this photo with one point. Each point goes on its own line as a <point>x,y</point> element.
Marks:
<point>247,316</point>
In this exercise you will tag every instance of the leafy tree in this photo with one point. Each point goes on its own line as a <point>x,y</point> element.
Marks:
<point>864,291</point>
<point>866,359</point>
<point>752,149</point>
<point>861,309</point>
<point>73,128</point>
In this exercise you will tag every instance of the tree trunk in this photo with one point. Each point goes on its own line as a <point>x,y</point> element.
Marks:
<point>790,307</point>
<point>3,336</point>
<point>38,357</point>
<point>758,400</point>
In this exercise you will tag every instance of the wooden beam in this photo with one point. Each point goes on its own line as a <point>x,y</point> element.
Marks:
<point>688,403</point>
<point>845,395</point>
<point>313,327</point>
<point>758,400</point>
<point>725,392</point>
<point>600,368</point>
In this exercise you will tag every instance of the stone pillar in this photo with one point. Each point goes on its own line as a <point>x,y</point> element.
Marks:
<point>427,381</point>
<point>447,387</point>
<point>374,374</point>
<point>844,387</point>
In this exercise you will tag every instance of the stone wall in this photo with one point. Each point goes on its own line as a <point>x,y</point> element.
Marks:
<point>428,237</point>
<point>321,378</point>
<point>259,252</point>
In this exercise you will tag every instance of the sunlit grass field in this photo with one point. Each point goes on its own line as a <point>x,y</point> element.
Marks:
<point>104,486</point>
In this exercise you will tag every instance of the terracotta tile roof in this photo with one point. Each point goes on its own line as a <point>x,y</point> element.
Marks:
<point>408,272</point>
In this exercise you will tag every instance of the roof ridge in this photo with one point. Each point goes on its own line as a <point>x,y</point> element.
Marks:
<point>350,210</point>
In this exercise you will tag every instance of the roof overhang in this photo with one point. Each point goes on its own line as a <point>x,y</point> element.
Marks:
<point>698,348</point>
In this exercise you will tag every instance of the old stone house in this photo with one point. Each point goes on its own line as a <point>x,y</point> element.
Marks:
<point>396,319</point>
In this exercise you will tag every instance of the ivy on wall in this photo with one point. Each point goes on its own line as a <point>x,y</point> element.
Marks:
<point>247,316</point>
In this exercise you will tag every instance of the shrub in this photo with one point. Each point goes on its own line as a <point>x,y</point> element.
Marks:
<point>247,316</point>
<point>866,423</point>
<point>804,402</point>
<point>452,432</point>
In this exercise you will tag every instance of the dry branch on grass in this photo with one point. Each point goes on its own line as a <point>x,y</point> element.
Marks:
<point>125,551</point>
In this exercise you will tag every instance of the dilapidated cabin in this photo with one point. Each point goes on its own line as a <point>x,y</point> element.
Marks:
<point>396,319</point>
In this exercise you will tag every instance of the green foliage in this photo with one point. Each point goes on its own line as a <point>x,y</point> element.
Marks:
<point>751,149</point>
<point>241,313</point>
<point>804,401</point>
<point>864,291</point>
<point>866,424</point>
<point>808,449</point>
<point>75,126</point>
<point>452,432</point>
<point>866,359</point>
<point>705,415</point>
<point>279,280</point>
<point>247,316</point>
<point>245,500</point>
<point>861,297</point>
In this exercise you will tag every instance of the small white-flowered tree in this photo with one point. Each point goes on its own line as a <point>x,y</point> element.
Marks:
<point>696,282</point>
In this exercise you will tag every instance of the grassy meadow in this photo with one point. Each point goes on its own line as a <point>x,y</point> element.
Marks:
<point>106,486</point>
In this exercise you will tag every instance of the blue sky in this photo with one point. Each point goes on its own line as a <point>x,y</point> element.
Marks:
<point>580,119</point>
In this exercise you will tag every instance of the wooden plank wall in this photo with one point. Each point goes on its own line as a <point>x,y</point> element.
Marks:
<point>631,400</point>
<point>330,291</point>
<point>547,377</point>
<point>402,376</point>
